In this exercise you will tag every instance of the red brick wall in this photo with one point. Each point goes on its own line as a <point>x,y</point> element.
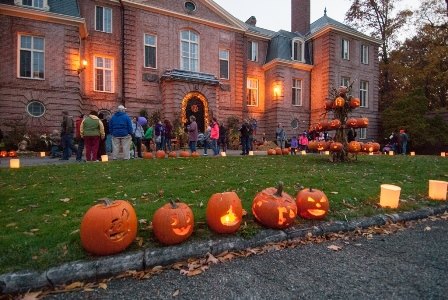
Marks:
<point>300,16</point>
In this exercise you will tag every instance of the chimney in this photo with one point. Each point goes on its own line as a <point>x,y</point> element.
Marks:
<point>300,16</point>
<point>252,21</point>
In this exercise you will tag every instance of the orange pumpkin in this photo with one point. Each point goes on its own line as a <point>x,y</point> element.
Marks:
<point>271,152</point>
<point>184,153</point>
<point>322,125</point>
<point>376,147</point>
<point>336,147</point>
<point>148,155</point>
<point>354,147</point>
<point>224,212</point>
<point>195,154</point>
<point>274,208</point>
<point>312,204</point>
<point>352,123</point>
<point>312,145</point>
<point>172,154</point>
<point>339,102</point>
<point>3,153</point>
<point>173,223</point>
<point>109,227</point>
<point>285,151</point>
<point>355,102</point>
<point>362,122</point>
<point>328,104</point>
<point>160,154</point>
<point>278,151</point>
<point>12,153</point>
<point>322,145</point>
<point>334,124</point>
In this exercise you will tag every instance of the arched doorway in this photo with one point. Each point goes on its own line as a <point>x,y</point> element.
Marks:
<point>195,104</point>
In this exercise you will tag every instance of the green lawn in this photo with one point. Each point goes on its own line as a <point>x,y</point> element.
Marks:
<point>42,207</point>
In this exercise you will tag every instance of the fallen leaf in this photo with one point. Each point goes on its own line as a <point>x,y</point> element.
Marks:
<point>212,259</point>
<point>31,296</point>
<point>34,230</point>
<point>11,224</point>
<point>74,285</point>
<point>334,193</point>
<point>194,272</point>
<point>427,228</point>
<point>65,200</point>
<point>102,285</point>
<point>176,293</point>
<point>334,247</point>
<point>244,212</point>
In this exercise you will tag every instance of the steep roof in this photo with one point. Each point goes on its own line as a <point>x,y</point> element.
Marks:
<point>63,7</point>
<point>280,45</point>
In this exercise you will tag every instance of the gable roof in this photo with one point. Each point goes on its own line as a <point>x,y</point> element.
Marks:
<point>62,7</point>
<point>325,23</point>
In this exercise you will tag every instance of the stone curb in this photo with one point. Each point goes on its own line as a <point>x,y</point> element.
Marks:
<point>112,265</point>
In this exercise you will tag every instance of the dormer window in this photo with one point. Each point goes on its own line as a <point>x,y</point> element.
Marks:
<point>39,4</point>
<point>298,50</point>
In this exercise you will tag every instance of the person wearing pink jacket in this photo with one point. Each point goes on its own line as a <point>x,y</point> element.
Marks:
<point>214,136</point>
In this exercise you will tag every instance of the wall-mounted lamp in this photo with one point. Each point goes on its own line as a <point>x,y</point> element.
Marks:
<point>277,91</point>
<point>83,66</point>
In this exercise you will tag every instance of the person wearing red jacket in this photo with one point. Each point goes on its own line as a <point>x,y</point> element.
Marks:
<point>214,136</point>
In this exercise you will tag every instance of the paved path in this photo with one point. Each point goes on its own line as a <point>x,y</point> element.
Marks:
<point>410,264</point>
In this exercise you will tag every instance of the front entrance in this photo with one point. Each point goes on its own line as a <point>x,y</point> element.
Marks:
<point>195,104</point>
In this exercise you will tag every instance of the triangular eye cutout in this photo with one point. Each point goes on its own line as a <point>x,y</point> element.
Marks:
<point>174,220</point>
<point>323,199</point>
<point>311,199</point>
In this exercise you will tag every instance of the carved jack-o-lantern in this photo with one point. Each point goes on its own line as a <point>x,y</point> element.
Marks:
<point>271,152</point>
<point>224,212</point>
<point>312,204</point>
<point>339,102</point>
<point>322,125</point>
<point>173,223</point>
<point>362,122</point>
<point>172,154</point>
<point>160,154</point>
<point>109,227</point>
<point>3,153</point>
<point>328,104</point>
<point>285,151</point>
<point>334,124</point>
<point>274,208</point>
<point>278,151</point>
<point>195,154</point>
<point>354,147</point>
<point>322,145</point>
<point>376,147</point>
<point>184,153</point>
<point>336,147</point>
<point>355,102</point>
<point>12,153</point>
<point>352,122</point>
<point>312,145</point>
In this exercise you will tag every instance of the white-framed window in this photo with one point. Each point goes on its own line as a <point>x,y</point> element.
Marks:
<point>35,109</point>
<point>345,47</point>
<point>362,133</point>
<point>104,74</point>
<point>298,50</point>
<point>252,51</point>
<point>297,92</point>
<point>189,53</point>
<point>224,64</point>
<point>345,81</point>
<point>33,3</point>
<point>364,93</point>
<point>150,46</point>
<point>252,92</point>
<point>103,19</point>
<point>31,57</point>
<point>365,54</point>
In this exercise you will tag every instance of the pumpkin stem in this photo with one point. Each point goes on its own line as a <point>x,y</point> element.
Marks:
<point>173,203</point>
<point>105,201</point>
<point>279,189</point>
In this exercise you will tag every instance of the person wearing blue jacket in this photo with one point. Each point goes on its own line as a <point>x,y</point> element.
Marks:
<point>120,127</point>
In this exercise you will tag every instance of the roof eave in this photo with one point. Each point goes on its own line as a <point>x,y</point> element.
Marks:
<point>329,27</point>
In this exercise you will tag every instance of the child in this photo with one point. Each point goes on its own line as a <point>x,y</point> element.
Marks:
<point>294,145</point>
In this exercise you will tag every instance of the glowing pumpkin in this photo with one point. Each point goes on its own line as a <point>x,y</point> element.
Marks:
<point>274,208</point>
<point>376,147</point>
<point>312,145</point>
<point>352,122</point>
<point>354,147</point>
<point>322,125</point>
<point>312,204</point>
<point>173,223</point>
<point>109,227</point>
<point>3,153</point>
<point>355,102</point>
<point>336,147</point>
<point>224,212</point>
<point>148,155</point>
<point>12,153</point>
<point>362,122</point>
<point>339,102</point>
<point>322,145</point>
<point>334,124</point>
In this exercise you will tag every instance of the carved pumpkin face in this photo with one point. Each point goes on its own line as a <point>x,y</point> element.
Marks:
<point>352,122</point>
<point>376,147</point>
<point>224,212</point>
<point>109,227</point>
<point>3,153</point>
<point>274,208</point>
<point>173,223</point>
<point>355,102</point>
<point>172,154</point>
<point>312,145</point>
<point>12,153</point>
<point>322,125</point>
<point>336,147</point>
<point>335,124</point>
<point>322,145</point>
<point>339,102</point>
<point>362,122</point>
<point>147,155</point>
<point>354,147</point>
<point>312,204</point>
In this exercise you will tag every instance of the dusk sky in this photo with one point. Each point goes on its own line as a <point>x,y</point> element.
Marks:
<point>275,15</point>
